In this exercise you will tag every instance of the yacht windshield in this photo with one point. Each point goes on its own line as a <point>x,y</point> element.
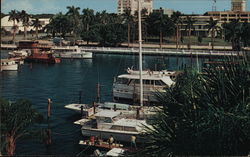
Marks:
<point>122,80</point>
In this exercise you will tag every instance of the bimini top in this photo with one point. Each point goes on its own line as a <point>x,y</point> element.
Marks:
<point>107,113</point>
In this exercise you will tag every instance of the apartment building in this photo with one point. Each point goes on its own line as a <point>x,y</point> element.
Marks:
<point>133,6</point>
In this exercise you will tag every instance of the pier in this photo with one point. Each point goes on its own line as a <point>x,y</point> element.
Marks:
<point>163,52</point>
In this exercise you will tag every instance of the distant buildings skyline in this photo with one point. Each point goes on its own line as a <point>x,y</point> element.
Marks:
<point>56,6</point>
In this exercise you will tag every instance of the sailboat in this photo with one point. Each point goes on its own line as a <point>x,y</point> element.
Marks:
<point>116,123</point>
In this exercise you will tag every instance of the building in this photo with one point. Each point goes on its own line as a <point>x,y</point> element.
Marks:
<point>165,11</point>
<point>228,16</point>
<point>7,25</point>
<point>200,25</point>
<point>238,11</point>
<point>133,6</point>
<point>238,5</point>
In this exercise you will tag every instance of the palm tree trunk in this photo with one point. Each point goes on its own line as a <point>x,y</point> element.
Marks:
<point>14,31</point>
<point>212,39</point>
<point>25,32</point>
<point>36,32</point>
<point>177,36</point>
<point>128,34</point>
<point>160,39</point>
<point>11,145</point>
<point>189,39</point>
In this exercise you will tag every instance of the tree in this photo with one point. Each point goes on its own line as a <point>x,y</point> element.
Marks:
<point>24,17</point>
<point>245,36</point>
<point>129,19</point>
<point>189,27</point>
<point>74,16</point>
<point>233,33</point>
<point>160,24</point>
<point>177,20</point>
<point>214,28</point>
<point>87,20</point>
<point>18,119</point>
<point>204,114</point>
<point>14,16</point>
<point>37,24</point>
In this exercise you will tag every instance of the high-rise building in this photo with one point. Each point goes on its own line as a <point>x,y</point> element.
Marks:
<point>238,5</point>
<point>133,6</point>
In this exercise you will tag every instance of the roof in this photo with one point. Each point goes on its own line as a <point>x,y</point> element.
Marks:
<point>130,122</point>
<point>112,104</point>
<point>107,113</point>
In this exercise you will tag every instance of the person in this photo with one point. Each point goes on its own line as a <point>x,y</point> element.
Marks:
<point>111,140</point>
<point>133,141</point>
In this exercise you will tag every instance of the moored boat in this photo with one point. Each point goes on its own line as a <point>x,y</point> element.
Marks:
<point>71,52</point>
<point>8,65</point>
<point>126,87</point>
<point>42,57</point>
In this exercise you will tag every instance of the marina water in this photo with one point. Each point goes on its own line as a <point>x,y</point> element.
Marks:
<point>62,83</point>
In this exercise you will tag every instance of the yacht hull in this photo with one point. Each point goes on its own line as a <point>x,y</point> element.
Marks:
<point>119,136</point>
<point>85,55</point>
<point>9,67</point>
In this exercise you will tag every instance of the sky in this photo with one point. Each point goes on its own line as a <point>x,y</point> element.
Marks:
<point>56,6</point>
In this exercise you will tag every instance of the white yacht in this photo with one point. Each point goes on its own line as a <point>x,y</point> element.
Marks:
<point>19,53</point>
<point>71,52</point>
<point>115,123</point>
<point>127,86</point>
<point>8,65</point>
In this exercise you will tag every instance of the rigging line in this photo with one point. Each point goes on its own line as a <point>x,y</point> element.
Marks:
<point>83,150</point>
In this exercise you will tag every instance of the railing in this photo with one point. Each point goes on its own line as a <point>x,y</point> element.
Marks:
<point>162,51</point>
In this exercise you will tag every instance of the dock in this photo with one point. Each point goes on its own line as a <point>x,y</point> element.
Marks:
<point>163,52</point>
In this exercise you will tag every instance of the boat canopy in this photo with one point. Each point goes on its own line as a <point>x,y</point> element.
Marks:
<point>110,105</point>
<point>107,113</point>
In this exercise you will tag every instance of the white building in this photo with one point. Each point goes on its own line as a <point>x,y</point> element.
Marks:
<point>7,25</point>
<point>133,6</point>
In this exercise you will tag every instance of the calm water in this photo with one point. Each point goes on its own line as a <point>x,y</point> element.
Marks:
<point>62,82</point>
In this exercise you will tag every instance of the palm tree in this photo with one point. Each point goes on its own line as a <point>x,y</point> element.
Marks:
<point>176,17</point>
<point>74,15</point>
<point>88,19</point>
<point>213,27</point>
<point>128,17</point>
<point>25,20</point>
<point>17,119</point>
<point>189,26</point>
<point>14,16</point>
<point>233,32</point>
<point>161,23</point>
<point>37,24</point>
<point>203,114</point>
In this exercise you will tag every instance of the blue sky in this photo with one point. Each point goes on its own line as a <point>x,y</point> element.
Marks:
<point>55,6</point>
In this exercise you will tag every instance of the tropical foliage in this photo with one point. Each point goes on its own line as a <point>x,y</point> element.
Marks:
<point>14,16</point>
<point>204,114</point>
<point>237,33</point>
<point>17,120</point>
<point>213,28</point>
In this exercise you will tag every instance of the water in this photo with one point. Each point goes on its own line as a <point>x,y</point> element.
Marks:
<point>62,82</point>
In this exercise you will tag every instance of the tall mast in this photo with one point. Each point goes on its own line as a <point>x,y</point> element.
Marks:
<point>140,52</point>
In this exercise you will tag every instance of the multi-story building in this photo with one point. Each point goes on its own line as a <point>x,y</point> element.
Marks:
<point>228,16</point>
<point>133,6</point>
<point>238,11</point>
<point>238,5</point>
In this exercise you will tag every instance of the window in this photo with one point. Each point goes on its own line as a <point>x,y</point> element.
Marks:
<point>159,83</point>
<point>126,128</point>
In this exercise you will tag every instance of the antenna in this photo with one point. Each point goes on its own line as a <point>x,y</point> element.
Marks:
<point>214,5</point>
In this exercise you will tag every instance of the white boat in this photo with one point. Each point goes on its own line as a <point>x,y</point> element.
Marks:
<point>19,53</point>
<point>71,52</point>
<point>8,65</point>
<point>127,86</point>
<point>115,123</point>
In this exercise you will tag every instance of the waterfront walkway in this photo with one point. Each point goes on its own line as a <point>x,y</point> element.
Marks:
<point>163,52</point>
